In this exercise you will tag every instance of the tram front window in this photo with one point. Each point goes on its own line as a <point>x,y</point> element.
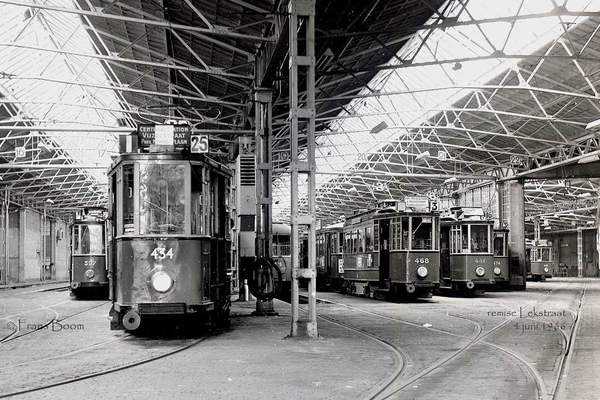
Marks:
<point>89,239</point>
<point>422,233</point>
<point>479,238</point>
<point>162,199</point>
<point>545,255</point>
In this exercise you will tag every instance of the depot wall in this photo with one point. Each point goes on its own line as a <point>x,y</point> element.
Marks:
<point>33,247</point>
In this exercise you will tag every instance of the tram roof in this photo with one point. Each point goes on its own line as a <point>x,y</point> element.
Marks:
<point>412,95</point>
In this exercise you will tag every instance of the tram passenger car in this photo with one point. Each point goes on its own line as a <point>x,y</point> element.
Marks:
<point>88,266</point>
<point>541,259</point>
<point>501,262</point>
<point>330,257</point>
<point>170,244</point>
<point>467,258</point>
<point>392,251</point>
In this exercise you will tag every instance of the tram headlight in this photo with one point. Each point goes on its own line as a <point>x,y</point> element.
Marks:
<point>161,281</point>
<point>422,272</point>
<point>90,273</point>
<point>497,271</point>
<point>546,269</point>
<point>480,271</point>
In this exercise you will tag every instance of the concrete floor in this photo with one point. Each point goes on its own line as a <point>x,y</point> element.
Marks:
<point>502,345</point>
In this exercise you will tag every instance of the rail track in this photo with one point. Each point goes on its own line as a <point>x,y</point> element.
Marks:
<point>399,380</point>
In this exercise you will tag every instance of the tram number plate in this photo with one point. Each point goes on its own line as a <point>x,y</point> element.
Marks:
<point>421,260</point>
<point>160,253</point>
<point>199,144</point>
<point>89,263</point>
<point>497,263</point>
<point>480,261</point>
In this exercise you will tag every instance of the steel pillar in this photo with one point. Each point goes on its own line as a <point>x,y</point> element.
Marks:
<point>579,253</point>
<point>302,119</point>
<point>516,235</point>
<point>263,99</point>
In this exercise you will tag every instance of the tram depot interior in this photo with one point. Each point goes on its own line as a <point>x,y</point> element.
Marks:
<point>320,110</point>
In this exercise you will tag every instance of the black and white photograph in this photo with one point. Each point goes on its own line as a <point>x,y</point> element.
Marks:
<point>300,199</point>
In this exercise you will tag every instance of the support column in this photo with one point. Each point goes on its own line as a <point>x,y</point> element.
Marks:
<point>302,119</point>
<point>516,235</point>
<point>262,98</point>
<point>579,253</point>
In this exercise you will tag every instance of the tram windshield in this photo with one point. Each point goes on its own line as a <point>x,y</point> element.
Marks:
<point>162,202</point>
<point>541,254</point>
<point>88,239</point>
<point>416,232</point>
<point>470,238</point>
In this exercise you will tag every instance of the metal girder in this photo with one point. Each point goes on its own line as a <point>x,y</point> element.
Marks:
<point>216,30</point>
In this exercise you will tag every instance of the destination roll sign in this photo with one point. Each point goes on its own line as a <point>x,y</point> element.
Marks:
<point>177,136</point>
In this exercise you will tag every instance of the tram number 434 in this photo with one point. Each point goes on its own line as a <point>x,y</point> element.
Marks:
<point>160,253</point>
<point>199,144</point>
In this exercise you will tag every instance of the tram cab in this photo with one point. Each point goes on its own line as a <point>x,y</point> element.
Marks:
<point>467,258</point>
<point>88,266</point>
<point>170,243</point>
<point>392,250</point>
<point>541,259</point>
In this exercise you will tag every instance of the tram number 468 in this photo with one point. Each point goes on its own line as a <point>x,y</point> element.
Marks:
<point>199,144</point>
<point>422,260</point>
<point>160,253</point>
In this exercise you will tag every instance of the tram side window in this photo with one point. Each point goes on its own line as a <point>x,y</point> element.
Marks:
<point>396,232</point>
<point>341,242</point>
<point>545,256</point>
<point>479,238</point>
<point>128,226</point>
<point>457,240</point>
<point>405,232</point>
<point>369,238</point>
<point>499,247</point>
<point>196,212</point>
<point>162,199</point>
<point>361,240</point>
<point>422,233</point>
<point>465,238</point>
<point>348,242</point>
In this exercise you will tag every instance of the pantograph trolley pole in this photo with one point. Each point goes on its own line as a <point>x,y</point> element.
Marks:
<point>302,118</point>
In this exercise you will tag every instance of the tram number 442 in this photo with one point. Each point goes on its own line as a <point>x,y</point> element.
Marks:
<point>160,253</point>
<point>199,144</point>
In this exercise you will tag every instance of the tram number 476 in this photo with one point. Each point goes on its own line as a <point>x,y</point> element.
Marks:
<point>199,144</point>
<point>160,253</point>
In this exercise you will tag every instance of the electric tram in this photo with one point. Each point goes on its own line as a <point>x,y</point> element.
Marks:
<point>467,258</point>
<point>501,261</point>
<point>392,251</point>
<point>541,259</point>
<point>330,257</point>
<point>88,266</point>
<point>169,232</point>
